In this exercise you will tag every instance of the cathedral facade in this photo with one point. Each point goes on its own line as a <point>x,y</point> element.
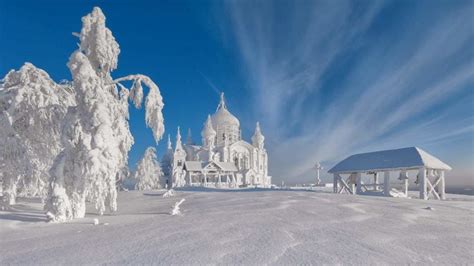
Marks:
<point>223,160</point>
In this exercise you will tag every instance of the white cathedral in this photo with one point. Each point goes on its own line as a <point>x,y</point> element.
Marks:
<point>223,159</point>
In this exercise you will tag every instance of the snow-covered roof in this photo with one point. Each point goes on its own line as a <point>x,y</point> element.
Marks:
<point>199,166</point>
<point>227,166</point>
<point>193,165</point>
<point>405,158</point>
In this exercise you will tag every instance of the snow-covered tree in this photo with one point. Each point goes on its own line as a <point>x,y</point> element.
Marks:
<point>12,152</point>
<point>96,134</point>
<point>148,172</point>
<point>167,165</point>
<point>32,107</point>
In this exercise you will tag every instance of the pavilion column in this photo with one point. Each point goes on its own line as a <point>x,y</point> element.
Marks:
<point>386,183</point>
<point>441,185</point>
<point>422,183</point>
<point>334,183</point>
<point>359,183</point>
<point>406,187</point>
<point>352,182</point>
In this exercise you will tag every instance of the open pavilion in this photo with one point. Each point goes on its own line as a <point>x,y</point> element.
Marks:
<point>430,177</point>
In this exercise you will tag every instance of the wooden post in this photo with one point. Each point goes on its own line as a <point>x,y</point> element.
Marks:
<point>406,187</point>
<point>334,183</point>
<point>386,183</point>
<point>422,183</point>
<point>376,181</point>
<point>359,183</point>
<point>441,185</point>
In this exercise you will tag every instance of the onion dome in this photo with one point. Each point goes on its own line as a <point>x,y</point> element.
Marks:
<point>258,138</point>
<point>222,117</point>
<point>208,132</point>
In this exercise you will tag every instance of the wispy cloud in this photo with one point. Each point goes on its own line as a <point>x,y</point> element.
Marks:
<point>328,83</point>
<point>211,84</point>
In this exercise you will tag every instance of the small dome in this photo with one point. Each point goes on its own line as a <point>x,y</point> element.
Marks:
<point>208,131</point>
<point>223,117</point>
<point>258,136</point>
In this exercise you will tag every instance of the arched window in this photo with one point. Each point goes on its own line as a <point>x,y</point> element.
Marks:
<point>245,164</point>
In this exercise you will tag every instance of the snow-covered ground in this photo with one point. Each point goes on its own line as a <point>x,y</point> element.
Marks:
<point>247,227</point>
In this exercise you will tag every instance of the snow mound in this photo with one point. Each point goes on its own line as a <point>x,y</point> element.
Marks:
<point>397,193</point>
<point>169,193</point>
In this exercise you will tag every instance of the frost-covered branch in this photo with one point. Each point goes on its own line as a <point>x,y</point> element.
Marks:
<point>176,210</point>
<point>153,103</point>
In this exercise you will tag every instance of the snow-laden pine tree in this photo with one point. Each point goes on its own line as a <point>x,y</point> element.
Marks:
<point>148,172</point>
<point>96,134</point>
<point>32,107</point>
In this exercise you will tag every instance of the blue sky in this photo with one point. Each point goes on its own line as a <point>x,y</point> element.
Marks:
<point>326,79</point>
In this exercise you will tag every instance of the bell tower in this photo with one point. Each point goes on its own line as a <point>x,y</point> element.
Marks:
<point>179,157</point>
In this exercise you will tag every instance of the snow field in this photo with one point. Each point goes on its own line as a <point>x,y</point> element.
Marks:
<point>247,227</point>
